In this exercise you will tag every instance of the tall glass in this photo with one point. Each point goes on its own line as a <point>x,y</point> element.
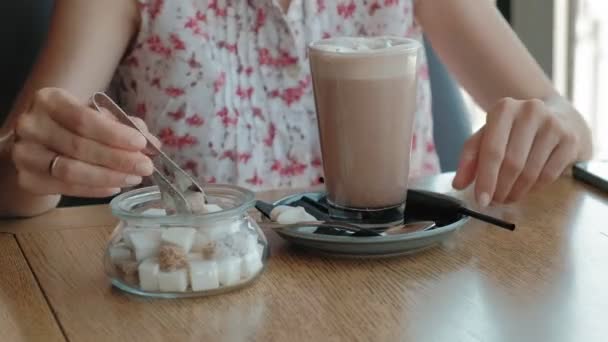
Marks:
<point>365,95</point>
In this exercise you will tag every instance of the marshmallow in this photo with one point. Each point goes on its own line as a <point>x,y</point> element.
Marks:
<point>203,275</point>
<point>173,281</point>
<point>276,211</point>
<point>294,215</point>
<point>119,252</point>
<point>179,236</point>
<point>251,264</point>
<point>229,270</point>
<point>148,275</point>
<point>146,242</point>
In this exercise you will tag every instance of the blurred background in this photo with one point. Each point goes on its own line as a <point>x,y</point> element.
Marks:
<point>569,38</point>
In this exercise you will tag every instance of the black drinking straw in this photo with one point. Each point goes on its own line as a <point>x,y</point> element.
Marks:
<point>488,219</point>
<point>435,204</point>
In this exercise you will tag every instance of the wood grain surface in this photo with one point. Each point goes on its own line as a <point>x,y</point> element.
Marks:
<point>24,313</point>
<point>547,281</point>
<point>63,218</point>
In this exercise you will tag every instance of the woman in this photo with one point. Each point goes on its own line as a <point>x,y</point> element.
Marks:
<point>225,85</point>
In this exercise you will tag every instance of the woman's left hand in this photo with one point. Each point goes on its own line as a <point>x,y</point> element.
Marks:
<point>524,144</point>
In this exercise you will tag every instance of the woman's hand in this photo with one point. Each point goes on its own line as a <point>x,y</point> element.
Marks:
<point>97,154</point>
<point>523,145</point>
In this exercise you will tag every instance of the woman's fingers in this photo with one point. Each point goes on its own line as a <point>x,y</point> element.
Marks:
<point>93,154</point>
<point>521,138</point>
<point>107,114</point>
<point>467,167</point>
<point>492,150</point>
<point>45,184</point>
<point>74,171</point>
<point>64,109</point>
<point>37,159</point>
<point>142,126</point>
<point>151,138</point>
<point>560,160</point>
<point>544,144</point>
<point>60,140</point>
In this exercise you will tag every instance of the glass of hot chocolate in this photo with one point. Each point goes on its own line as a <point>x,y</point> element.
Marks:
<point>365,95</point>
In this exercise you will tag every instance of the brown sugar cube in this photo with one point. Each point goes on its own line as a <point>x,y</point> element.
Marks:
<point>128,267</point>
<point>171,258</point>
<point>208,250</point>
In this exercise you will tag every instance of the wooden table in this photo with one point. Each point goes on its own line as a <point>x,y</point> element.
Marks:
<point>547,281</point>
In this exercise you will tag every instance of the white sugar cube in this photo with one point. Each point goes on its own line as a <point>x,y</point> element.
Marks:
<point>212,208</point>
<point>126,235</point>
<point>260,249</point>
<point>221,229</point>
<point>154,212</point>
<point>222,251</point>
<point>179,236</point>
<point>242,243</point>
<point>276,211</point>
<point>197,201</point>
<point>201,241</point>
<point>175,281</point>
<point>248,244</point>
<point>120,252</point>
<point>294,215</point>
<point>148,275</point>
<point>194,256</point>
<point>229,270</point>
<point>251,264</point>
<point>203,275</point>
<point>146,242</point>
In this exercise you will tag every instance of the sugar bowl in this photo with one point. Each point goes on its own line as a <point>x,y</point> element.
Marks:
<point>154,254</point>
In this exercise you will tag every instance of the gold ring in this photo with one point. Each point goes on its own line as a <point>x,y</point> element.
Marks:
<point>53,164</point>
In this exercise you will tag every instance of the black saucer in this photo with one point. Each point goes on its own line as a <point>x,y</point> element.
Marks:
<point>420,206</point>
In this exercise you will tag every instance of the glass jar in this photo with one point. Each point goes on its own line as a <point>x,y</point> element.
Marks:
<point>152,254</point>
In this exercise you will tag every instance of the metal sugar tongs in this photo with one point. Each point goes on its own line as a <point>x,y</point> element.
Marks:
<point>173,182</point>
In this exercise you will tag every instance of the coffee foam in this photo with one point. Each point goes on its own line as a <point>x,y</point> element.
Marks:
<point>361,44</point>
<point>364,58</point>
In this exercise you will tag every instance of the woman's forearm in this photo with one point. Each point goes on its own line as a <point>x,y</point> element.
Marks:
<point>482,51</point>
<point>490,61</point>
<point>85,43</point>
<point>14,202</point>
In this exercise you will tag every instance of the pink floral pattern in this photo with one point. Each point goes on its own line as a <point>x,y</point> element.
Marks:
<point>226,86</point>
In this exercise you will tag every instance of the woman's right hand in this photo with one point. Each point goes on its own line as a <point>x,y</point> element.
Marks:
<point>97,154</point>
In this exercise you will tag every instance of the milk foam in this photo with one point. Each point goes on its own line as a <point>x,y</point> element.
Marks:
<point>361,44</point>
<point>364,57</point>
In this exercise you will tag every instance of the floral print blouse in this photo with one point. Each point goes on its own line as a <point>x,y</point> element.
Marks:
<point>226,86</point>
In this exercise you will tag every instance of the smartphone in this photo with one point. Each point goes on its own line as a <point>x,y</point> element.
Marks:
<point>594,173</point>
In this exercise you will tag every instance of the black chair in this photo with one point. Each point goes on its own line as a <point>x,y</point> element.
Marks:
<point>451,119</point>
<point>23,29</point>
